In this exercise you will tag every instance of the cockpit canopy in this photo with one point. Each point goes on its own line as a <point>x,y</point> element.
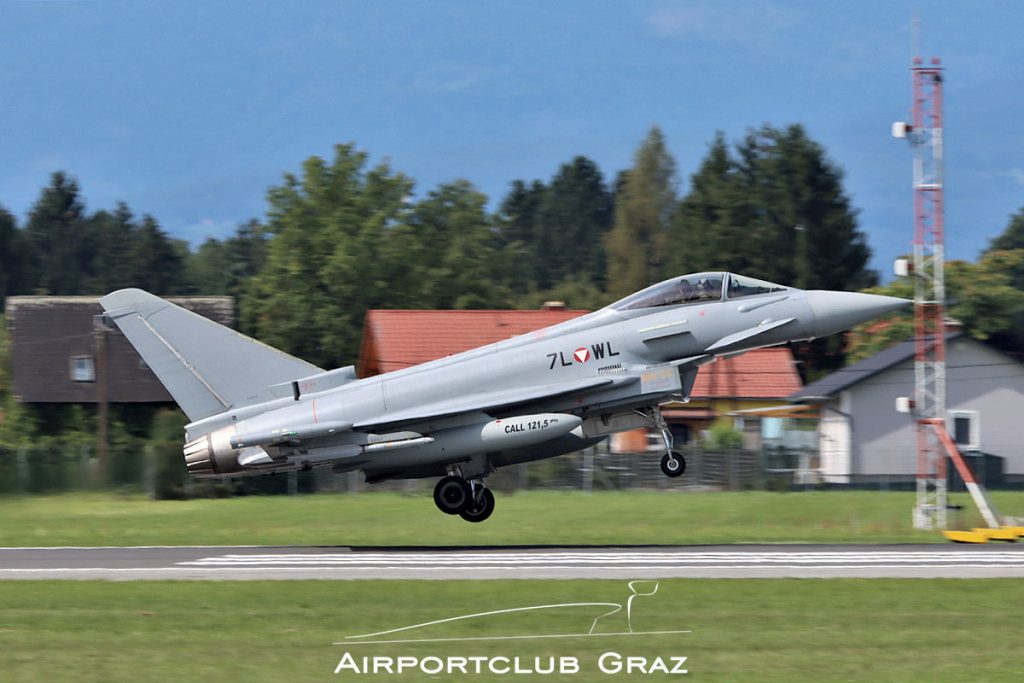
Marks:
<point>695,288</point>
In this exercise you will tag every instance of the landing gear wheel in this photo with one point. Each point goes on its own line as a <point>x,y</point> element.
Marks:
<point>673,464</point>
<point>452,495</point>
<point>481,508</point>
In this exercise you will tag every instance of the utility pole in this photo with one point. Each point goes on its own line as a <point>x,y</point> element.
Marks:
<point>100,338</point>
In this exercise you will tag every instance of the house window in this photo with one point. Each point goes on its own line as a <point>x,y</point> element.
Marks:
<point>965,429</point>
<point>82,369</point>
<point>773,428</point>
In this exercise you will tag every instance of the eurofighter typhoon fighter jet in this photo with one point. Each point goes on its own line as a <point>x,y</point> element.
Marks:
<point>257,410</point>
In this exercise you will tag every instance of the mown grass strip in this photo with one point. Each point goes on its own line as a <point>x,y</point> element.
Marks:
<point>541,517</point>
<point>742,630</point>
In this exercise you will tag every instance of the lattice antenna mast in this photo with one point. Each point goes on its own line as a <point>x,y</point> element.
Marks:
<point>929,405</point>
<point>925,136</point>
<point>929,294</point>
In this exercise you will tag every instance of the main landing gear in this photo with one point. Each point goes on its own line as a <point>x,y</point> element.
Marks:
<point>471,500</point>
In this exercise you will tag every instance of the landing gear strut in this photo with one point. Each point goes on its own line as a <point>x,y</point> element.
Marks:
<point>673,464</point>
<point>471,500</point>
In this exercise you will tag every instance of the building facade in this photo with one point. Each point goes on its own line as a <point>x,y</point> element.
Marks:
<point>864,440</point>
<point>63,351</point>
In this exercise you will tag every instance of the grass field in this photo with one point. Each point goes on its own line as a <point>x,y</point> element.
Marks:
<point>742,630</point>
<point>539,517</point>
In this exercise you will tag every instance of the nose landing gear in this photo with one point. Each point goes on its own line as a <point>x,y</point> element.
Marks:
<point>673,464</point>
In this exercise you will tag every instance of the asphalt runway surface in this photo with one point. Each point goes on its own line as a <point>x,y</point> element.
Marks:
<point>533,562</point>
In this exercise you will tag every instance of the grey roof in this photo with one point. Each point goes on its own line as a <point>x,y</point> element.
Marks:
<point>841,379</point>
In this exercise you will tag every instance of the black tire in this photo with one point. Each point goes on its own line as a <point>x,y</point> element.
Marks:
<point>673,465</point>
<point>481,508</point>
<point>452,495</point>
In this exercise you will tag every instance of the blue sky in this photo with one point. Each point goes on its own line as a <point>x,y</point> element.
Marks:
<point>190,111</point>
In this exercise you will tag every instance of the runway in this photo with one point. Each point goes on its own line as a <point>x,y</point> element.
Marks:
<point>350,563</point>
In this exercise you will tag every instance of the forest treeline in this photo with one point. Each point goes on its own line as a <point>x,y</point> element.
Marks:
<point>344,234</point>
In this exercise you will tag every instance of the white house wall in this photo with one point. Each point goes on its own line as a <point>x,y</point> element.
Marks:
<point>834,443</point>
<point>978,378</point>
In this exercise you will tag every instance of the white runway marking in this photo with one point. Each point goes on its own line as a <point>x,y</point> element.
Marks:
<point>606,559</point>
<point>124,547</point>
<point>344,563</point>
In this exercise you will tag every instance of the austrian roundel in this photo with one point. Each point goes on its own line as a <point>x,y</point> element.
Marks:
<point>582,354</point>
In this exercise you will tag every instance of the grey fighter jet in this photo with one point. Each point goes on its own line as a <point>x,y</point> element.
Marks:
<point>256,410</point>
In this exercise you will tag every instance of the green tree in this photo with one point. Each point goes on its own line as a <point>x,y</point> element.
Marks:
<point>519,212</point>
<point>208,268</point>
<point>1012,239</point>
<point>1013,236</point>
<point>113,266</point>
<point>776,210</point>
<point>517,227</point>
<point>711,222</point>
<point>639,241</point>
<point>13,254</point>
<point>59,239</point>
<point>330,257</point>
<point>457,249</point>
<point>574,215</point>
<point>223,267</point>
<point>159,266</point>
<point>552,233</point>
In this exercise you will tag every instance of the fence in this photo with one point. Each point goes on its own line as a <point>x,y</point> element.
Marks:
<point>157,469</point>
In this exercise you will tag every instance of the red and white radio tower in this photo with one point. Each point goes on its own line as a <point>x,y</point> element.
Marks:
<point>929,406</point>
<point>929,295</point>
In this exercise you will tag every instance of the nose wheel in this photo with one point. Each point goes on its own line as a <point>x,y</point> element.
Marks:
<point>673,464</point>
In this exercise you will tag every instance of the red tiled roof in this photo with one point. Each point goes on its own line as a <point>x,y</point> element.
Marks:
<point>761,373</point>
<point>400,338</point>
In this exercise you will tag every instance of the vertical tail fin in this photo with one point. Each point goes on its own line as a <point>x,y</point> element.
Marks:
<point>206,367</point>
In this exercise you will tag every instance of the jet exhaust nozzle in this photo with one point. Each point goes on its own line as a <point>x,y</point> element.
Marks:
<point>213,454</point>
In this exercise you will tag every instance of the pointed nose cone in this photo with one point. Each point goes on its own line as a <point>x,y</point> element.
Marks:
<point>838,311</point>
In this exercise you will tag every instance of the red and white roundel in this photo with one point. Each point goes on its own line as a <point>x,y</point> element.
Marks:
<point>582,354</point>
